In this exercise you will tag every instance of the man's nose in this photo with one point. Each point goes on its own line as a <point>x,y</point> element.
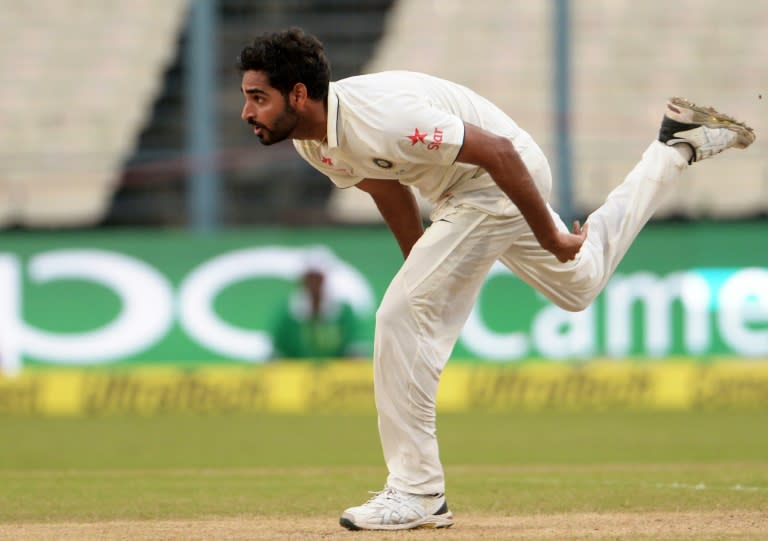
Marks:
<point>246,114</point>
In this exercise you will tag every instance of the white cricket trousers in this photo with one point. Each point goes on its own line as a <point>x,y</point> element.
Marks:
<point>429,300</point>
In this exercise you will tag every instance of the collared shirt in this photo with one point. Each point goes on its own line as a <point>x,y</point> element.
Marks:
<point>409,127</point>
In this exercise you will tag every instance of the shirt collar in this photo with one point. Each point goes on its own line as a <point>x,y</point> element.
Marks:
<point>333,117</point>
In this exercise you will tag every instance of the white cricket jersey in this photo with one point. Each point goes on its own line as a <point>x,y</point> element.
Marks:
<point>409,127</point>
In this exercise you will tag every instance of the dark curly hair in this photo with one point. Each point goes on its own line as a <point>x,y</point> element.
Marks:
<point>289,57</point>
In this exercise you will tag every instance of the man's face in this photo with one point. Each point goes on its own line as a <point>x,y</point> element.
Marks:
<point>266,109</point>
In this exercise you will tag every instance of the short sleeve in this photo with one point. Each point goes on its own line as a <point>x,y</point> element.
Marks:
<point>342,180</point>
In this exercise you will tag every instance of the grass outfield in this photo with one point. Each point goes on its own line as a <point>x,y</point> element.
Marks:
<point>538,475</point>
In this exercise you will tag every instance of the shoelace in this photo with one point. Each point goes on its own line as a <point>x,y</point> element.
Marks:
<point>385,494</point>
<point>717,140</point>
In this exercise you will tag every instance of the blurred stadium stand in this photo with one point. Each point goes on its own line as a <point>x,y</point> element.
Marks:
<point>260,186</point>
<point>627,69</point>
<point>78,121</point>
<point>627,58</point>
<point>77,80</point>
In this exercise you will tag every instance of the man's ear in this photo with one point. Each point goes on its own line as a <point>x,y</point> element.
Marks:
<point>298,95</point>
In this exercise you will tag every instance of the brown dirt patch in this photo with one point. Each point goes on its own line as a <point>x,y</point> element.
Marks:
<point>704,525</point>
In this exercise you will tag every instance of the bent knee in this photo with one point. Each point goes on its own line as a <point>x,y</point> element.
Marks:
<point>575,302</point>
<point>391,311</point>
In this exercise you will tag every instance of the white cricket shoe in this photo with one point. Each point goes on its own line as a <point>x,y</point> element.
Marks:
<point>391,509</point>
<point>705,130</point>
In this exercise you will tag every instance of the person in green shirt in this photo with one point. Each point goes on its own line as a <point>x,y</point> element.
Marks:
<point>313,325</point>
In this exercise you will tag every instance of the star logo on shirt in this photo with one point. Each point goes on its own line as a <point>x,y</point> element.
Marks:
<point>326,160</point>
<point>417,137</point>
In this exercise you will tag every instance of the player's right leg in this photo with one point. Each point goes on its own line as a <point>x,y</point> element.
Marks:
<point>613,227</point>
<point>573,285</point>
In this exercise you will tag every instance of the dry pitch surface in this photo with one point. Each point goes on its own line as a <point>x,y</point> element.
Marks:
<point>710,525</point>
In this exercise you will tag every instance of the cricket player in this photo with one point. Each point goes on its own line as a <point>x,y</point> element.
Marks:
<point>389,133</point>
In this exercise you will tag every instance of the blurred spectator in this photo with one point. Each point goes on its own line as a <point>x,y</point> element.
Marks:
<point>314,325</point>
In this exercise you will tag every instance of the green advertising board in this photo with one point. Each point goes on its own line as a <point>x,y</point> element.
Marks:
<point>117,298</point>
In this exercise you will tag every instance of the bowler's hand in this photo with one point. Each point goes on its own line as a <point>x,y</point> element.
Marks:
<point>565,246</point>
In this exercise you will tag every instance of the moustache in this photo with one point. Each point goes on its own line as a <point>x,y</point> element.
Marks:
<point>256,124</point>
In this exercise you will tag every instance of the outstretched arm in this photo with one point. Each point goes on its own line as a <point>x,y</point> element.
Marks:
<point>398,207</point>
<point>497,155</point>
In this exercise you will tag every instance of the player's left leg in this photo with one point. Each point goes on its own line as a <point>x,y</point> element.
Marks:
<point>417,325</point>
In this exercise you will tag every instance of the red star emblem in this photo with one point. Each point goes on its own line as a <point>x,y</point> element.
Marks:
<point>326,160</point>
<point>417,137</point>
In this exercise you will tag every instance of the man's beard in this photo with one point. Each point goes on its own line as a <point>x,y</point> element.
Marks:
<point>281,129</point>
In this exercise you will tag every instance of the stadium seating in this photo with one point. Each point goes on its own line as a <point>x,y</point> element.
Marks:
<point>627,58</point>
<point>92,105</point>
<point>78,81</point>
<point>258,185</point>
